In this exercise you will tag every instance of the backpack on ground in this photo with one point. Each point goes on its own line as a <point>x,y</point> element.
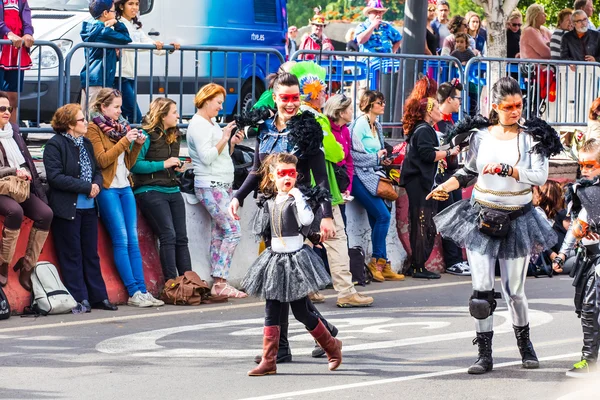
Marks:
<point>4,305</point>
<point>50,296</point>
<point>360,273</point>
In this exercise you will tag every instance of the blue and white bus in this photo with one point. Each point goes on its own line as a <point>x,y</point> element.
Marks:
<point>219,23</point>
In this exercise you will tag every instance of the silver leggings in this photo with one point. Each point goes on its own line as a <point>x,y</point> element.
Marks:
<point>512,274</point>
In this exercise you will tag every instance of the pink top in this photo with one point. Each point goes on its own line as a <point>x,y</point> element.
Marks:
<point>535,43</point>
<point>342,135</point>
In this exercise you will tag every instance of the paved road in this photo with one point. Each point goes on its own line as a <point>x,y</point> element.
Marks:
<point>415,343</point>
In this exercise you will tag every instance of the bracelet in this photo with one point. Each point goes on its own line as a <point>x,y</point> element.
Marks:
<point>448,153</point>
<point>504,172</point>
<point>558,260</point>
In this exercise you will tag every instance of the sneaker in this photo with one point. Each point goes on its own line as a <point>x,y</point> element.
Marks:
<point>354,300</point>
<point>582,369</point>
<point>461,269</point>
<point>316,298</point>
<point>139,300</point>
<point>155,302</point>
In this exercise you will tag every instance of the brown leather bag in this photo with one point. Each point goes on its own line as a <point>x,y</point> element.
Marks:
<point>189,289</point>
<point>386,190</point>
<point>14,187</point>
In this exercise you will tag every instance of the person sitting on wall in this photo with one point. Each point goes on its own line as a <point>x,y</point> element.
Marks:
<point>376,35</point>
<point>317,39</point>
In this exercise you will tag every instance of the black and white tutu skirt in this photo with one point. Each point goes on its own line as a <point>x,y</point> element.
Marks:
<point>286,276</point>
<point>528,234</point>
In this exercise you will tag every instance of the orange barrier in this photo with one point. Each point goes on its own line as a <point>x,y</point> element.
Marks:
<point>19,298</point>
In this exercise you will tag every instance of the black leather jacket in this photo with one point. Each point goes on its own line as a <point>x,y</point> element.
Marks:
<point>574,48</point>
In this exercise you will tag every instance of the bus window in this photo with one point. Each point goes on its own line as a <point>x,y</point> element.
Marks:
<point>265,11</point>
<point>145,6</point>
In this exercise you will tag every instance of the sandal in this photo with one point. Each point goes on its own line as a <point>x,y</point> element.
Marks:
<point>224,289</point>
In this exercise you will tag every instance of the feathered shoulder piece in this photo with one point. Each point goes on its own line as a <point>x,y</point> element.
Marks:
<point>548,139</point>
<point>305,134</point>
<point>571,199</point>
<point>461,132</point>
<point>315,196</point>
<point>252,118</point>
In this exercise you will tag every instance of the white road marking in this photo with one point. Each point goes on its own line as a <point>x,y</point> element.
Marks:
<point>395,380</point>
<point>199,309</point>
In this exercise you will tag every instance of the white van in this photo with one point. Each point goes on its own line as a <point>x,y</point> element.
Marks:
<point>239,23</point>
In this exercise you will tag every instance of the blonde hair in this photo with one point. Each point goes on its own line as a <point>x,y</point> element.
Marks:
<point>350,34</point>
<point>267,186</point>
<point>336,105</point>
<point>591,146</point>
<point>159,109</point>
<point>533,11</point>
<point>207,93</point>
<point>514,15</point>
<point>105,98</point>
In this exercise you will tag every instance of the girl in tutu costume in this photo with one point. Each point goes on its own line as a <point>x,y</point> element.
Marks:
<point>288,270</point>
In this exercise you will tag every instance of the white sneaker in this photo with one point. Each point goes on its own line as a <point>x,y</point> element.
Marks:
<point>461,269</point>
<point>155,302</point>
<point>139,300</point>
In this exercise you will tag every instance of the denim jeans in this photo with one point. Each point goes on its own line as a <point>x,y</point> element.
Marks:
<point>379,217</point>
<point>130,106</point>
<point>165,213</point>
<point>118,213</point>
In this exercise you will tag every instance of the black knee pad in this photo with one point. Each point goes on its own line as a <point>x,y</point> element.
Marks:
<point>483,304</point>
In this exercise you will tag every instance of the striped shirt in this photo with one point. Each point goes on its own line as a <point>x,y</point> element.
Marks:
<point>555,41</point>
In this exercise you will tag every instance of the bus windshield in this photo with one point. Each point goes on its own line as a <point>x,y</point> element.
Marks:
<point>59,5</point>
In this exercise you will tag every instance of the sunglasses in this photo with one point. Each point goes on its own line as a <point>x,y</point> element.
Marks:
<point>381,103</point>
<point>291,172</point>
<point>290,98</point>
<point>588,164</point>
<point>456,98</point>
<point>4,109</point>
<point>511,107</point>
<point>431,9</point>
<point>517,25</point>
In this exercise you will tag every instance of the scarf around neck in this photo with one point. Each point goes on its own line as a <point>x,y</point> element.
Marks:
<point>115,130</point>
<point>85,165</point>
<point>11,148</point>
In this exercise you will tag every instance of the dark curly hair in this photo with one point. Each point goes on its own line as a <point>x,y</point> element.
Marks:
<point>120,6</point>
<point>414,112</point>
<point>455,23</point>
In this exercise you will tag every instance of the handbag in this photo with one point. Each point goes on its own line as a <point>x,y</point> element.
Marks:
<point>496,223</point>
<point>386,190</point>
<point>341,176</point>
<point>189,289</point>
<point>14,187</point>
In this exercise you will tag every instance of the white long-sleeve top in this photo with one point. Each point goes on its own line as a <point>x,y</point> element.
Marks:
<point>138,36</point>
<point>209,165</point>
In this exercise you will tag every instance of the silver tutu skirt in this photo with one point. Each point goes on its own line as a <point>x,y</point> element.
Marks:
<point>286,276</point>
<point>528,234</point>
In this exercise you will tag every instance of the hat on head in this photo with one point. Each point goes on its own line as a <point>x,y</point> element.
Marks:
<point>318,18</point>
<point>97,7</point>
<point>374,5</point>
<point>432,2</point>
<point>311,77</point>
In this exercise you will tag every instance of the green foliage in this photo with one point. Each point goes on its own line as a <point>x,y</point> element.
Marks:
<point>300,11</point>
<point>552,8</point>
<point>461,7</point>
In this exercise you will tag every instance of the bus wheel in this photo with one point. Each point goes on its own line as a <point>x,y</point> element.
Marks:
<point>246,96</point>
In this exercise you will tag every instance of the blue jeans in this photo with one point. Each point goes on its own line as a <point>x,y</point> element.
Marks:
<point>131,110</point>
<point>118,213</point>
<point>379,217</point>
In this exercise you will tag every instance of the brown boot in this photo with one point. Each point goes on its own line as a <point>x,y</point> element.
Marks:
<point>26,264</point>
<point>7,251</point>
<point>372,266</point>
<point>331,345</point>
<point>268,364</point>
<point>387,272</point>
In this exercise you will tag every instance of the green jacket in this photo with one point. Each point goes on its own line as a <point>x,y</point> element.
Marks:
<point>265,100</point>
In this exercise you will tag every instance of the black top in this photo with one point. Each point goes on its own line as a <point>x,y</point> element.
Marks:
<point>159,150</point>
<point>352,46</point>
<point>419,162</point>
<point>61,160</point>
<point>432,40</point>
<point>513,46</point>
<point>574,48</point>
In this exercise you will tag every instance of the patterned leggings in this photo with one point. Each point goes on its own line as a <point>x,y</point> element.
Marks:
<point>226,232</point>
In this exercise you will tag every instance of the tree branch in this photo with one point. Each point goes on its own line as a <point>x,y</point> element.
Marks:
<point>509,6</point>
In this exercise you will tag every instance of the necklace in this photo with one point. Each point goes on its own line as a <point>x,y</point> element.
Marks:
<point>508,126</point>
<point>273,222</point>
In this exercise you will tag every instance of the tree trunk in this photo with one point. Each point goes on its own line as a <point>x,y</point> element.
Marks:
<point>496,13</point>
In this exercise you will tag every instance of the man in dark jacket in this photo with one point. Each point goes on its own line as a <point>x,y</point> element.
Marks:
<point>101,66</point>
<point>581,44</point>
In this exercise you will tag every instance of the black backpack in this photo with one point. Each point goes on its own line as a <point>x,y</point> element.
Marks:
<point>4,306</point>
<point>360,273</point>
<point>243,159</point>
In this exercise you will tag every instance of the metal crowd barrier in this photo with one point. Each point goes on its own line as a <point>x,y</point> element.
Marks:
<point>352,72</point>
<point>44,80</point>
<point>558,91</point>
<point>242,71</point>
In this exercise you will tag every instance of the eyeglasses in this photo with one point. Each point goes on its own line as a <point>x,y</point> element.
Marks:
<point>4,109</point>
<point>290,98</point>
<point>80,120</point>
<point>517,25</point>
<point>456,98</point>
<point>511,107</point>
<point>291,172</point>
<point>380,102</point>
<point>588,164</point>
<point>112,11</point>
<point>576,21</point>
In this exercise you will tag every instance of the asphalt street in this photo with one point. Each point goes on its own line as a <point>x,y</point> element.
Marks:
<point>414,343</point>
